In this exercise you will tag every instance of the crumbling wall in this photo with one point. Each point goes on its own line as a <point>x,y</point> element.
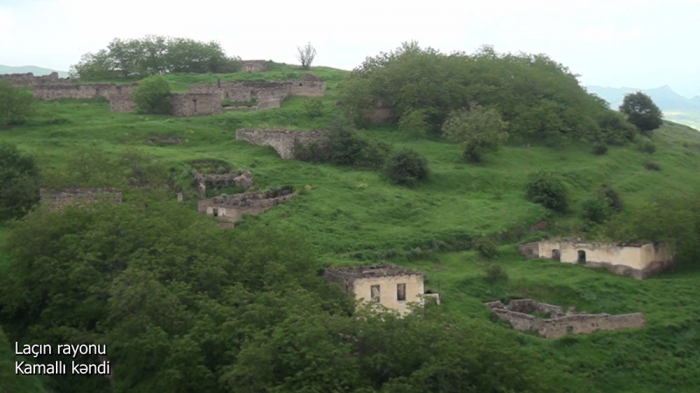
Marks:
<point>309,86</point>
<point>561,325</point>
<point>232,208</point>
<point>29,79</point>
<point>254,65</point>
<point>284,141</point>
<point>82,91</point>
<point>241,179</point>
<point>57,199</point>
<point>638,261</point>
<point>191,104</point>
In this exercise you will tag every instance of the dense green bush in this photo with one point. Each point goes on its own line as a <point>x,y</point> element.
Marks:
<point>349,149</point>
<point>16,104</point>
<point>153,95</point>
<point>538,97</point>
<point>19,182</point>
<point>613,197</point>
<point>480,130</point>
<point>548,190</point>
<point>647,147</point>
<point>495,273</point>
<point>486,247</point>
<point>652,166</point>
<point>600,148</point>
<point>413,123</point>
<point>597,209</point>
<point>406,168</point>
<point>313,108</point>
<point>641,111</point>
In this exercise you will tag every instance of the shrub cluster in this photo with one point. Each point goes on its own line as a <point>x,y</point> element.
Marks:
<point>406,168</point>
<point>548,190</point>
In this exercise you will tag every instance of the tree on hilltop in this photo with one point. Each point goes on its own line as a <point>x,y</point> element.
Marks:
<point>481,130</point>
<point>153,96</point>
<point>306,55</point>
<point>642,111</point>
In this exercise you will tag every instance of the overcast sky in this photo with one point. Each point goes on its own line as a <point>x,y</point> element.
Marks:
<point>616,43</point>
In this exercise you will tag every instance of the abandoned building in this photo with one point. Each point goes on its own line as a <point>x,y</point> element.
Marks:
<point>254,65</point>
<point>57,199</point>
<point>391,286</point>
<point>633,260</point>
<point>232,208</point>
<point>240,179</point>
<point>556,322</point>
<point>285,141</point>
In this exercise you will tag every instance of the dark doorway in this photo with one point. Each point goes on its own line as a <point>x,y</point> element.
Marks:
<point>581,256</point>
<point>556,255</point>
<point>215,212</point>
<point>374,293</point>
<point>401,292</point>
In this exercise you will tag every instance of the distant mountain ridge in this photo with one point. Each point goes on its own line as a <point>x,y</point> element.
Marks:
<point>4,69</point>
<point>664,97</point>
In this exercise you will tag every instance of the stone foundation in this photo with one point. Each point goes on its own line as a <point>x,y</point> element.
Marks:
<point>559,324</point>
<point>57,199</point>
<point>232,208</point>
<point>241,179</point>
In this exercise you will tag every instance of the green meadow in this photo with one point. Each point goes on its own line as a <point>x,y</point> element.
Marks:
<point>351,216</point>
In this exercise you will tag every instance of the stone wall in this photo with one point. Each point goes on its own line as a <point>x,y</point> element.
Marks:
<point>192,104</point>
<point>284,141</point>
<point>82,91</point>
<point>29,79</point>
<point>232,208</point>
<point>638,261</point>
<point>254,65</point>
<point>79,196</point>
<point>561,325</point>
<point>241,179</point>
<point>309,86</point>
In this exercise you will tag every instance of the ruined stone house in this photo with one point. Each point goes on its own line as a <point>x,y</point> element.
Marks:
<point>390,286</point>
<point>633,260</point>
<point>240,179</point>
<point>556,323</point>
<point>232,208</point>
<point>57,199</point>
<point>254,65</point>
<point>285,141</point>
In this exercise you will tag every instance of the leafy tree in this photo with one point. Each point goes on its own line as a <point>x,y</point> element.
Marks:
<point>349,149</point>
<point>642,111</point>
<point>16,104</point>
<point>406,168</point>
<point>151,55</point>
<point>597,210</point>
<point>153,95</point>
<point>480,130</point>
<point>19,182</point>
<point>306,55</point>
<point>413,123</point>
<point>548,190</point>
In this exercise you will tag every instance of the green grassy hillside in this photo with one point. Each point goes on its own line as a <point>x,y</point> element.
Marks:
<point>355,216</point>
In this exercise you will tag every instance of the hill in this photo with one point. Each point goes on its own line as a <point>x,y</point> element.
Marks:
<point>664,97</point>
<point>354,216</point>
<point>4,69</point>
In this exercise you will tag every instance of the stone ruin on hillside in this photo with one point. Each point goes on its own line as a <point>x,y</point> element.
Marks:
<point>254,65</point>
<point>199,100</point>
<point>240,179</point>
<point>286,141</point>
<point>232,208</point>
<point>633,260</point>
<point>557,323</point>
<point>57,199</point>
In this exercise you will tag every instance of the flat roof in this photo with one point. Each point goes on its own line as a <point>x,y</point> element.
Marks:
<point>369,271</point>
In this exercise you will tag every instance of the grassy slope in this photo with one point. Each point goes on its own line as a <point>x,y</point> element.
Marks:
<point>350,214</point>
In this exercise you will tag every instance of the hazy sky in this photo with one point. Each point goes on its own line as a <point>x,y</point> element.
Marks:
<point>616,43</point>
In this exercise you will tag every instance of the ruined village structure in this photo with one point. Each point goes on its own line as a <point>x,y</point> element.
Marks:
<point>391,286</point>
<point>203,99</point>
<point>242,179</point>
<point>57,199</point>
<point>633,260</point>
<point>557,323</point>
<point>232,208</point>
<point>254,65</point>
<point>285,142</point>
